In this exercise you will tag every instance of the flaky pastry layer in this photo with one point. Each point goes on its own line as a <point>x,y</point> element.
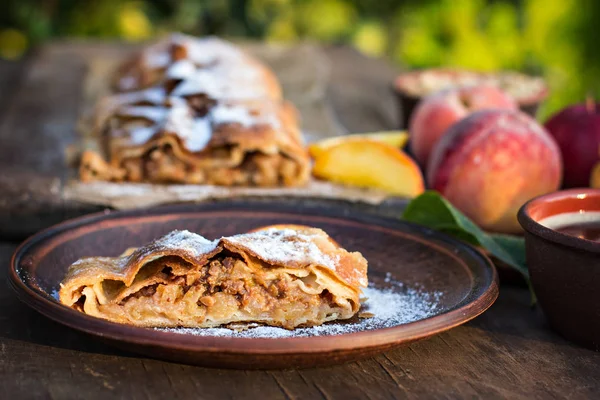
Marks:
<point>237,143</point>
<point>280,276</point>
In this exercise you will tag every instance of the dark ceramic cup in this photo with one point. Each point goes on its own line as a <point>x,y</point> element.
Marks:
<point>565,269</point>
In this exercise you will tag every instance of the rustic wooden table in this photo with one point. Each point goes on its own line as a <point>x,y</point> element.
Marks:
<point>508,352</point>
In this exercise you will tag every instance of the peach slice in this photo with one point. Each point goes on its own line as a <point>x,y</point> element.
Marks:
<point>393,138</point>
<point>370,163</point>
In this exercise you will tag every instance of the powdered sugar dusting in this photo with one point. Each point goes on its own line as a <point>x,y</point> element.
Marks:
<point>178,118</point>
<point>201,135</point>
<point>181,69</point>
<point>199,51</point>
<point>187,241</point>
<point>153,95</point>
<point>223,114</point>
<point>227,113</point>
<point>208,50</point>
<point>157,59</point>
<point>282,245</point>
<point>151,113</point>
<point>209,67</point>
<point>195,133</point>
<point>220,83</point>
<point>142,134</point>
<point>391,307</point>
<point>202,82</point>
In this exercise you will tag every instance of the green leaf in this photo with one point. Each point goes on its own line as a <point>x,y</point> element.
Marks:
<point>432,210</point>
<point>512,244</point>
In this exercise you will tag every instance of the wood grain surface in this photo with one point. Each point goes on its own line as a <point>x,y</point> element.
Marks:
<point>40,98</point>
<point>508,352</point>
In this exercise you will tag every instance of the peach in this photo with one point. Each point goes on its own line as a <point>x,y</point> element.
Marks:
<point>490,163</point>
<point>372,164</point>
<point>438,111</point>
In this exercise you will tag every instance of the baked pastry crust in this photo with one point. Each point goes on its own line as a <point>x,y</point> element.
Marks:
<point>252,143</point>
<point>179,58</point>
<point>285,276</point>
<point>197,111</point>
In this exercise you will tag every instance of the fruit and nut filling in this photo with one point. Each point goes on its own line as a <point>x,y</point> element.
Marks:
<point>160,164</point>
<point>227,290</point>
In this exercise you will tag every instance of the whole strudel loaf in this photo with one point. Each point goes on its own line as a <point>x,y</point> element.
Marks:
<point>200,111</point>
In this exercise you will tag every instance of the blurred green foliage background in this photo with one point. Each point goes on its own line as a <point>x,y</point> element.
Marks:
<point>553,38</point>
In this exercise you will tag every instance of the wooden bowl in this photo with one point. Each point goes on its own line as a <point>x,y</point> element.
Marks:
<point>408,97</point>
<point>564,269</point>
<point>412,254</point>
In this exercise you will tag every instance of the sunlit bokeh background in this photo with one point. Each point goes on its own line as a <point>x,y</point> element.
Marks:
<point>554,38</point>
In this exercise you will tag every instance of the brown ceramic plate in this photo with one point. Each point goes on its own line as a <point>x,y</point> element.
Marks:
<point>397,251</point>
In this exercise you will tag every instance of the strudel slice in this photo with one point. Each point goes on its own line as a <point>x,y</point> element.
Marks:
<point>285,276</point>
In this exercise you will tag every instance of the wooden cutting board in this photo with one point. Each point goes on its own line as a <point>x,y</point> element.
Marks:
<point>45,96</point>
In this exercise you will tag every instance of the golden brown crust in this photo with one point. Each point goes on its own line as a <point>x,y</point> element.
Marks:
<point>292,264</point>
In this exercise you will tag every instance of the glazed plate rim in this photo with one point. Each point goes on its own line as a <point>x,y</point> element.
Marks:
<point>477,301</point>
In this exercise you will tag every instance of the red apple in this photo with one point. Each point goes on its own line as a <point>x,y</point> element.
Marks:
<point>490,163</point>
<point>577,132</point>
<point>438,111</point>
<point>595,176</point>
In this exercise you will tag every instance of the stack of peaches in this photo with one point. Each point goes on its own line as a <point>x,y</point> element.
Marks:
<point>477,149</point>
